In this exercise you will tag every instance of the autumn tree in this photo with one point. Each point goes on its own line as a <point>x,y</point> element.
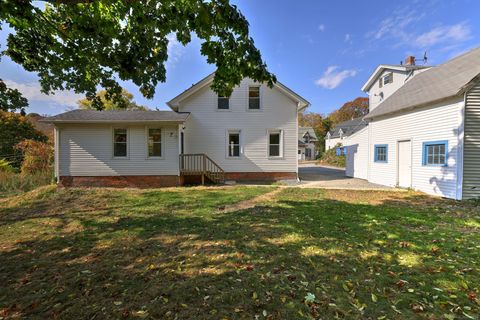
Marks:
<point>15,128</point>
<point>37,156</point>
<point>351,109</point>
<point>124,103</point>
<point>81,45</point>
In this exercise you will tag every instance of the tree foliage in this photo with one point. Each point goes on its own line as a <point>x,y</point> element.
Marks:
<point>15,128</point>
<point>351,109</point>
<point>81,45</point>
<point>37,156</point>
<point>11,99</point>
<point>124,103</point>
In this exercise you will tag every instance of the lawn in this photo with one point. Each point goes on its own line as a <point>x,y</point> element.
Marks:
<point>237,253</point>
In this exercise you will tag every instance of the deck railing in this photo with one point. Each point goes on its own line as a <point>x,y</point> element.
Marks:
<point>199,164</point>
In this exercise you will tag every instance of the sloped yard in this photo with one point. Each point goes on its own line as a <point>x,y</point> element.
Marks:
<point>237,253</point>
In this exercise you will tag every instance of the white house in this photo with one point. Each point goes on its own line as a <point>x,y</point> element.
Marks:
<point>342,131</point>
<point>307,139</point>
<point>424,128</point>
<point>251,135</point>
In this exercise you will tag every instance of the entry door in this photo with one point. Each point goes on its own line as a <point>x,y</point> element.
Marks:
<point>405,164</point>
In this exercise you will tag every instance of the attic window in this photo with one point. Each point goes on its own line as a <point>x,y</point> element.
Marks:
<point>254,97</point>
<point>388,78</point>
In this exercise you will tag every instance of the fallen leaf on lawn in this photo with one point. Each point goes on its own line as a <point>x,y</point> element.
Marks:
<point>374,298</point>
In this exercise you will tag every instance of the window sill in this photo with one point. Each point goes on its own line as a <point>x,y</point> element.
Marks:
<point>254,110</point>
<point>154,158</point>
<point>380,161</point>
<point>434,165</point>
<point>234,158</point>
<point>276,158</point>
<point>121,158</point>
<point>223,110</point>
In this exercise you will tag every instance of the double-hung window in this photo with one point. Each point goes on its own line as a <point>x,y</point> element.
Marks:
<point>120,142</point>
<point>154,142</point>
<point>233,144</point>
<point>435,153</point>
<point>223,103</point>
<point>275,143</point>
<point>254,98</point>
<point>381,153</point>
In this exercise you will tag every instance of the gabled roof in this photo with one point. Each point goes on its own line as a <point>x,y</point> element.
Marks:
<point>303,130</point>
<point>173,104</point>
<point>378,71</point>
<point>348,127</point>
<point>94,116</point>
<point>437,84</point>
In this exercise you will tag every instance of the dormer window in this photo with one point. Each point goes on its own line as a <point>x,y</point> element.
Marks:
<point>386,79</point>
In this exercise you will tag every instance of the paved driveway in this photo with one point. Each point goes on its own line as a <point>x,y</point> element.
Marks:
<point>312,175</point>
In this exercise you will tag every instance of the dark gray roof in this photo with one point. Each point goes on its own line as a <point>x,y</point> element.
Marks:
<point>433,85</point>
<point>303,130</point>
<point>348,127</point>
<point>117,116</point>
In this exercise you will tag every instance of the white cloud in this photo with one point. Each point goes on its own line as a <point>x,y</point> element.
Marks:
<point>175,50</point>
<point>31,91</point>
<point>347,38</point>
<point>333,77</point>
<point>321,27</point>
<point>459,32</point>
<point>402,28</point>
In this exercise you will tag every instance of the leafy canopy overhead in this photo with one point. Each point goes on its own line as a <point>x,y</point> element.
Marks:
<point>83,45</point>
<point>11,99</point>
<point>125,103</point>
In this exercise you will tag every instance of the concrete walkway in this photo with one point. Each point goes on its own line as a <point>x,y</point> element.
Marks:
<point>319,176</point>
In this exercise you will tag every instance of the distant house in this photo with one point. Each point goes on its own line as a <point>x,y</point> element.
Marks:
<point>423,128</point>
<point>306,143</point>
<point>342,131</point>
<point>251,135</point>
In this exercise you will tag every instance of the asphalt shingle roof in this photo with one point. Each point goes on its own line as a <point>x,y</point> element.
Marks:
<point>348,127</point>
<point>303,130</point>
<point>433,85</point>
<point>116,116</point>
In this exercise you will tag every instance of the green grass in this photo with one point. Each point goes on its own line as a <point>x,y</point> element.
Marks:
<point>13,183</point>
<point>178,254</point>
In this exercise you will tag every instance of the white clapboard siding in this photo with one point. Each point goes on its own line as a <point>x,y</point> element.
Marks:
<point>471,166</point>
<point>357,154</point>
<point>206,129</point>
<point>88,151</point>
<point>439,122</point>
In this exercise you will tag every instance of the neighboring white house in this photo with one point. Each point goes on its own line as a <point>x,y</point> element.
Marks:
<point>425,132</point>
<point>342,131</point>
<point>306,143</point>
<point>251,135</point>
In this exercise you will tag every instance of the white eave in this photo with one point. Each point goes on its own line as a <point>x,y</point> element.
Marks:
<point>366,87</point>
<point>175,102</point>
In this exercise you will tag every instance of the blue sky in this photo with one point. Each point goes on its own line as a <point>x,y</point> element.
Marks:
<point>323,50</point>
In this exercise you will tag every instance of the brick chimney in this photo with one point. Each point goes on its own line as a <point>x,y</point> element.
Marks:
<point>410,61</point>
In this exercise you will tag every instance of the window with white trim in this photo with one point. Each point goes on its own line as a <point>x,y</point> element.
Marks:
<point>254,98</point>
<point>275,143</point>
<point>120,142</point>
<point>223,103</point>
<point>154,142</point>
<point>233,144</point>
<point>435,153</point>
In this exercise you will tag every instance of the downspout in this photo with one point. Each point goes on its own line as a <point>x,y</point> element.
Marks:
<point>296,138</point>
<point>56,138</point>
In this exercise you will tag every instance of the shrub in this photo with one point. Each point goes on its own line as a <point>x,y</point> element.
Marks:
<point>330,157</point>
<point>37,156</point>
<point>12,183</point>
<point>15,128</point>
<point>6,166</point>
